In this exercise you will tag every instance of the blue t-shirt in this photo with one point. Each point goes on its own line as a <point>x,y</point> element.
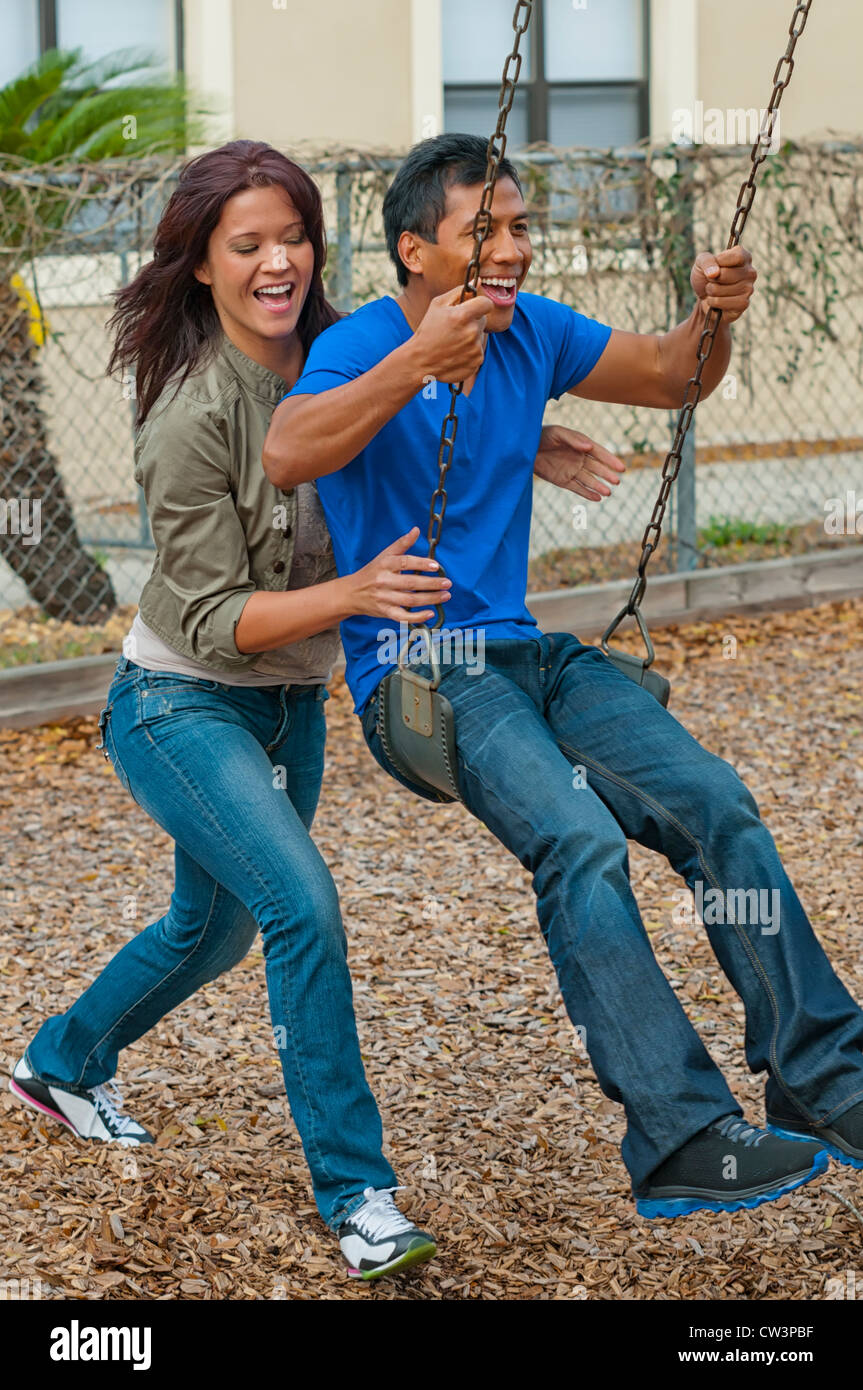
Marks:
<point>387,488</point>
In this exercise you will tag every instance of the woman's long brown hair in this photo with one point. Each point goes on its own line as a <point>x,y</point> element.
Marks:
<point>165,320</point>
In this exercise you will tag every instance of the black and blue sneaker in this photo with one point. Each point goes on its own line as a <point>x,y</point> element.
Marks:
<point>841,1137</point>
<point>726,1166</point>
<point>376,1239</point>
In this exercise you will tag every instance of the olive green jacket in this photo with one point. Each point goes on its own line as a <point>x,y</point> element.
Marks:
<point>222,529</point>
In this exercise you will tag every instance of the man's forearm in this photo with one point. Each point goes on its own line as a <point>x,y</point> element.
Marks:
<point>679,355</point>
<point>310,436</point>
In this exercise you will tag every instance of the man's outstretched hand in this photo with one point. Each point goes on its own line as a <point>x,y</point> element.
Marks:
<point>724,281</point>
<point>570,460</point>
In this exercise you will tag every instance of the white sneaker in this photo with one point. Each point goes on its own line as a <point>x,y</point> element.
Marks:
<point>91,1113</point>
<point>376,1239</point>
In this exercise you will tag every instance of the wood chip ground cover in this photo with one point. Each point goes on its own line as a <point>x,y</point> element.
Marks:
<point>492,1116</point>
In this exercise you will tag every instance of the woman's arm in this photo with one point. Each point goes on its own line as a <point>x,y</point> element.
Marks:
<point>203,554</point>
<point>380,589</point>
<point>182,462</point>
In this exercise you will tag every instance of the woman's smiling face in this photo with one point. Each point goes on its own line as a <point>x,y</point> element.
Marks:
<point>259,264</point>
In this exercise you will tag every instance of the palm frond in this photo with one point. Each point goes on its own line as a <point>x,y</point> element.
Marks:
<point>23,96</point>
<point>64,116</point>
<point>93,73</point>
<point>88,77</point>
<point>106,115</point>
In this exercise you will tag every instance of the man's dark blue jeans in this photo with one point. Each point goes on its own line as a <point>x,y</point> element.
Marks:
<point>564,758</point>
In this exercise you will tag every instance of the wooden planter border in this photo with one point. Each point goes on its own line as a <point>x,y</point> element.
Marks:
<point>51,691</point>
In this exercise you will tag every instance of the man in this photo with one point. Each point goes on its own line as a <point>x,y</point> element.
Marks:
<point>364,422</point>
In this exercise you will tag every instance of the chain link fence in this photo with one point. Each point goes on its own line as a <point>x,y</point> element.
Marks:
<point>778,447</point>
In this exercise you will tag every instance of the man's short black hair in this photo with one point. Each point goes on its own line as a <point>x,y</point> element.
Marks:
<point>416,199</point>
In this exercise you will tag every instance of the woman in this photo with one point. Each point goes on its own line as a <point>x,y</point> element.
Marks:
<point>214,721</point>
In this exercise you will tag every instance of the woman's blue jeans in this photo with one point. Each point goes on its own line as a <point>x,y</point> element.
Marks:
<point>564,758</point>
<point>233,774</point>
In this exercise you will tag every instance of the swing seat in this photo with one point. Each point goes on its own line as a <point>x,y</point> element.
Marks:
<point>416,723</point>
<point>637,670</point>
<point>416,727</point>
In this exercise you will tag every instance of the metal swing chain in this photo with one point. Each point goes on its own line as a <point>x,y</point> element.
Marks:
<point>481,228</point>
<point>745,199</point>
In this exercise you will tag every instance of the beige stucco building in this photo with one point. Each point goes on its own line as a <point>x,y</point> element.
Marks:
<point>383,73</point>
<point>373,72</point>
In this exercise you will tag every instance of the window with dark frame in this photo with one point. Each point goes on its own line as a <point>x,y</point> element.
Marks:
<point>32,27</point>
<point>584,78</point>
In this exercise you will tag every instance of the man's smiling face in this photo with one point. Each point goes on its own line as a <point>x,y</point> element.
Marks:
<point>506,252</point>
